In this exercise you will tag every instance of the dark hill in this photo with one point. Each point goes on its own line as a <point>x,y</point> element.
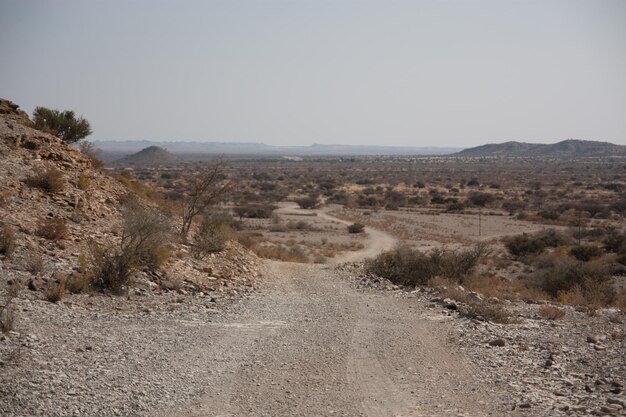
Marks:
<point>152,155</point>
<point>570,148</point>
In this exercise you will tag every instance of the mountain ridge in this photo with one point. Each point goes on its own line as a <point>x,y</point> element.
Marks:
<point>257,148</point>
<point>569,148</point>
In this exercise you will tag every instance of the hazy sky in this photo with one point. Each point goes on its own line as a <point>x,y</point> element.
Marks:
<point>420,73</point>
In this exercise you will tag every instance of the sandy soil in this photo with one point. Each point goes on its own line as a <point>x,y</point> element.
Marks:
<point>430,228</point>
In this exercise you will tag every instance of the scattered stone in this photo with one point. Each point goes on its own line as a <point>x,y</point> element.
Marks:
<point>497,342</point>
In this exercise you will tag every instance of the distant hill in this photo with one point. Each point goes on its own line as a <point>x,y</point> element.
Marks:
<point>152,155</point>
<point>241,148</point>
<point>571,148</point>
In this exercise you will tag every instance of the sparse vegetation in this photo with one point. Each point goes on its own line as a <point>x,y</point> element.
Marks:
<point>212,234</point>
<point>310,202</point>
<point>52,228</point>
<point>551,312</point>
<point>91,152</point>
<point>405,266</point>
<point>585,252</point>
<point>55,291</point>
<point>523,245</point>
<point>144,236</point>
<point>7,308</point>
<point>8,240</point>
<point>255,211</point>
<point>50,180</point>
<point>590,279</point>
<point>204,189</point>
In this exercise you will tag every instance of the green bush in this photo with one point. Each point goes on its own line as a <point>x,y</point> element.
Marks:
<point>406,266</point>
<point>255,211</point>
<point>309,202</point>
<point>62,124</point>
<point>525,244</point>
<point>615,242</point>
<point>356,228</point>
<point>591,278</point>
<point>585,252</point>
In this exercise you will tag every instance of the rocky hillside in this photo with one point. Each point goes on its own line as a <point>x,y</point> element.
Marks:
<point>53,203</point>
<point>567,149</point>
<point>152,155</point>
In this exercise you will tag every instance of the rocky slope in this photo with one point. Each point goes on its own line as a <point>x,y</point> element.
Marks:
<point>90,206</point>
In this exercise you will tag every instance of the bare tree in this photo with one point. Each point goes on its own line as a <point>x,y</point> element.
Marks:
<point>204,189</point>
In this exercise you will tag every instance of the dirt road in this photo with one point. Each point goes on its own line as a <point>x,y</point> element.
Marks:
<point>313,345</point>
<point>374,241</point>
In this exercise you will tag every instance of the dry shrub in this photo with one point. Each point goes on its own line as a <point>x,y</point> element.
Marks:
<point>50,180</point>
<point>255,211</point>
<point>5,197</point>
<point>112,267</point>
<point>7,317</point>
<point>299,225</point>
<point>585,252</point>
<point>252,241</point>
<point>83,182</point>
<point>144,190</point>
<point>488,311</point>
<point>500,287</point>
<point>551,312</point>
<point>212,234</point>
<point>448,288</point>
<point>7,309</point>
<point>7,241</point>
<point>52,229</point>
<point>56,291</point>
<point>592,297</point>
<point>91,152</point>
<point>34,263</point>
<point>145,235</point>
<point>586,283</point>
<point>77,283</point>
<point>524,245</point>
<point>406,266</point>
<point>309,202</point>
<point>249,240</point>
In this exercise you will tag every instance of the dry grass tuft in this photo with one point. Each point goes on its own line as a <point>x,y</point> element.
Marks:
<point>7,241</point>
<point>551,312</point>
<point>52,229</point>
<point>55,291</point>
<point>50,180</point>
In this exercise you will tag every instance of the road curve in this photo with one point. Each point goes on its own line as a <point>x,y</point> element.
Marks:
<point>375,241</point>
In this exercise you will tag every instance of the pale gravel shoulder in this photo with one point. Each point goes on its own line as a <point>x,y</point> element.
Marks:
<point>546,367</point>
<point>310,343</point>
